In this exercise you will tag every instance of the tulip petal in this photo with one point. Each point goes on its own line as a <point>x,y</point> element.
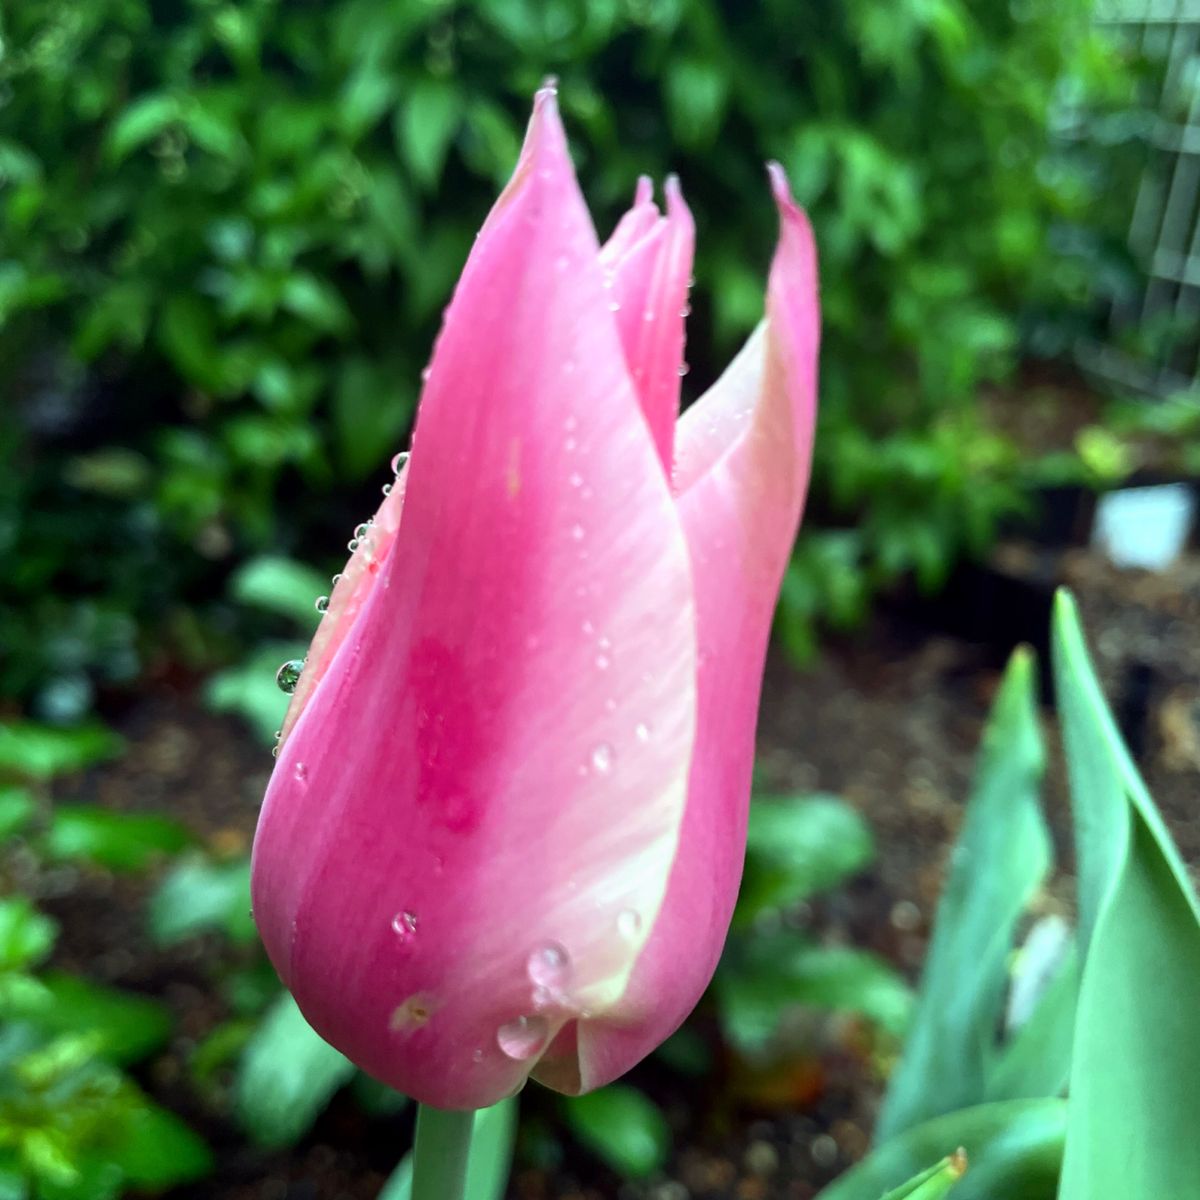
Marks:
<point>347,597</point>
<point>743,461</point>
<point>649,283</point>
<point>469,832</point>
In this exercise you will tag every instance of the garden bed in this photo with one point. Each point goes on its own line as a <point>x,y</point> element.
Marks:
<point>890,719</point>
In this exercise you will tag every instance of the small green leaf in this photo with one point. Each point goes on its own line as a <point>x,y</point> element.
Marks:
<point>281,586</point>
<point>117,840</point>
<point>250,690</point>
<point>44,752</point>
<point>1013,1150</point>
<point>622,1127</point>
<point>763,977</point>
<point>26,935</point>
<point>1000,859</point>
<point>425,125</point>
<point>197,896</point>
<point>17,807</point>
<point>128,1027</point>
<point>797,846</point>
<point>287,1076</point>
<point>155,1150</point>
<point>142,120</point>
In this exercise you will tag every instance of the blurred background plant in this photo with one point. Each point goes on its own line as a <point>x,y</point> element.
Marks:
<point>229,229</point>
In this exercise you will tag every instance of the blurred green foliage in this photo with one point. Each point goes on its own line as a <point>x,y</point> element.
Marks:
<point>228,229</point>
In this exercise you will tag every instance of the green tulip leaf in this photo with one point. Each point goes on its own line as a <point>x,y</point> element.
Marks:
<point>622,1126</point>
<point>1135,1104</point>
<point>44,752</point>
<point>1013,1150</point>
<point>934,1183</point>
<point>199,896</point>
<point>1002,855</point>
<point>286,1077</point>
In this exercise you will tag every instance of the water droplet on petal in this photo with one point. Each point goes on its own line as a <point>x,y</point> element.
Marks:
<point>642,731</point>
<point>404,925</point>
<point>577,532</point>
<point>425,374</point>
<point>362,530</point>
<point>288,675</point>
<point>683,369</point>
<point>614,306</point>
<point>352,545</point>
<point>523,1038</point>
<point>398,462</point>
<point>322,604</point>
<point>575,479</point>
<point>302,772</point>
<point>387,489</point>
<point>603,758</point>
<point>629,923</point>
<point>336,579</point>
<point>648,315</point>
<point>548,966</point>
<point>603,662</point>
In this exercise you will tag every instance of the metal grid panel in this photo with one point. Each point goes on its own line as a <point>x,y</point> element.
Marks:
<point>1164,232</point>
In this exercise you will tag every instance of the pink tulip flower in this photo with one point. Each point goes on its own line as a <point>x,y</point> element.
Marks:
<point>505,830</point>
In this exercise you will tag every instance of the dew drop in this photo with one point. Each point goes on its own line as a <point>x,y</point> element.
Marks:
<point>686,311</point>
<point>562,262</point>
<point>288,675</point>
<point>614,306</point>
<point>336,579</point>
<point>362,530</point>
<point>577,532</point>
<point>602,758</point>
<point>642,731</point>
<point>603,662</point>
<point>629,923</point>
<point>570,423</point>
<point>683,369</point>
<point>352,545</point>
<point>648,315</point>
<point>398,462</point>
<point>386,489</point>
<point>425,374</point>
<point>302,772</point>
<point>523,1038</point>
<point>569,444</point>
<point>575,479</point>
<point>404,925</point>
<point>548,966</point>
<point>477,1056</point>
<point>322,604</point>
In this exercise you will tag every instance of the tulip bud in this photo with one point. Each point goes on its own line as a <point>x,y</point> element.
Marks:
<point>505,829</point>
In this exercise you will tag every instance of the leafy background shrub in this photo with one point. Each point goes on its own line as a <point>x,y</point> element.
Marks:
<point>228,230</point>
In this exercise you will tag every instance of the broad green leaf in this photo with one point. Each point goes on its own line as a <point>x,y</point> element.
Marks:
<point>117,840</point>
<point>797,846</point>
<point>1001,857</point>
<point>487,1165</point>
<point>763,977</point>
<point>1013,1151</point>
<point>17,807</point>
<point>197,896</point>
<point>128,1026</point>
<point>1135,1106</point>
<point>377,1098</point>
<point>44,752</point>
<point>622,1126</point>
<point>287,1075</point>
<point>934,1183</point>
<point>26,935</point>
<point>280,586</point>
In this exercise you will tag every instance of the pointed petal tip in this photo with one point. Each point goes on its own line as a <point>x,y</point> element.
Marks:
<point>644,192</point>
<point>676,205</point>
<point>782,191</point>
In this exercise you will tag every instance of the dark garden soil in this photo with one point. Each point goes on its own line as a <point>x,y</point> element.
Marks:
<point>889,719</point>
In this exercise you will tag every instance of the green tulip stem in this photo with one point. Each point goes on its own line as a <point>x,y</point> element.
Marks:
<point>440,1154</point>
